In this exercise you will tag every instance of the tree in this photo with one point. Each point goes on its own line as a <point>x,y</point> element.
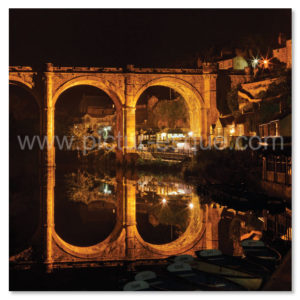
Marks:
<point>85,188</point>
<point>170,111</point>
<point>277,98</point>
<point>232,99</point>
<point>83,139</point>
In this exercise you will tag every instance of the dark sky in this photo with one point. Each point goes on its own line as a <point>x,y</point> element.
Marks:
<point>141,37</point>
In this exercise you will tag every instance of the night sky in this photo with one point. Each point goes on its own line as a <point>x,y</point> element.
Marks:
<point>85,37</point>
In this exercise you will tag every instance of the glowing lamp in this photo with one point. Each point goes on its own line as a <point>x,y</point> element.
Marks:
<point>255,62</point>
<point>191,205</point>
<point>164,201</point>
<point>266,63</point>
<point>190,133</point>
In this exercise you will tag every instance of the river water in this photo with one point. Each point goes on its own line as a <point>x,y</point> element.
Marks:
<point>164,213</point>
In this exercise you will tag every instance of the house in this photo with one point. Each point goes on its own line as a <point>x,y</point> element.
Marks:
<point>94,121</point>
<point>281,126</point>
<point>97,112</point>
<point>284,54</point>
<point>237,63</point>
<point>222,131</point>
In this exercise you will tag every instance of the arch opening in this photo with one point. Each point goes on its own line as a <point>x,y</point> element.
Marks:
<point>185,108</point>
<point>89,118</point>
<point>24,201</point>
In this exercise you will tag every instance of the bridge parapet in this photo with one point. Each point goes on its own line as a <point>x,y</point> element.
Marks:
<point>166,70</point>
<point>88,69</point>
<point>19,68</point>
<point>128,69</point>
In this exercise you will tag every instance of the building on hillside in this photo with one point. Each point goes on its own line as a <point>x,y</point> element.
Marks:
<point>97,112</point>
<point>272,114</point>
<point>96,104</point>
<point>227,128</point>
<point>222,131</point>
<point>95,122</point>
<point>225,64</point>
<point>236,63</point>
<point>284,53</point>
<point>280,126</point>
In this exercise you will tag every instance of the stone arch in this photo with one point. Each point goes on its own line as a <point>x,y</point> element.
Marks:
<point>192,97</point>
<point>187,241</point>
<point>94,81</point>
<point>106,86</point>
<point>17,81</point>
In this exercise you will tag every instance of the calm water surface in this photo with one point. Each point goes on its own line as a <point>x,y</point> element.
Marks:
<point>88,205</point>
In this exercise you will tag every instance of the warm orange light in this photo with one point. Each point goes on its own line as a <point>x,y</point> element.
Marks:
<point>191,205</point>
<point>266,62</point>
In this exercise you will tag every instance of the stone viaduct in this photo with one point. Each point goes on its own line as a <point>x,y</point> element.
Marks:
<point>124,87</point>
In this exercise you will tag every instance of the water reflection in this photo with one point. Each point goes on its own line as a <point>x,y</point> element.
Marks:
<point>85,207</point>
<point>24,189</point>
<point>163,209</point>
<point>99,217</point>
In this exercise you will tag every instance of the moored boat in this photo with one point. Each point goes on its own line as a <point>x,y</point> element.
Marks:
<point>260,253</point>
<point>205,281</point>
<point>137,286</point>
<point>215,256</point>
<point>240,277</point>
<point>162,283</point>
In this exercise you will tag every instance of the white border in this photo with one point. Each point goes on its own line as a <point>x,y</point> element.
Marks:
<point>5,5</point>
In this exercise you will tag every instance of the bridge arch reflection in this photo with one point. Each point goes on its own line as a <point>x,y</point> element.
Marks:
<point>24,198</point>
<point>124,242</point>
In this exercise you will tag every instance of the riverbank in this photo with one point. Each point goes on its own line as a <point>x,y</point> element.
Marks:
<point>238,169</point>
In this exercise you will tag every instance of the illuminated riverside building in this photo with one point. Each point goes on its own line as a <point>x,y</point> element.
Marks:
<point>146,184</point>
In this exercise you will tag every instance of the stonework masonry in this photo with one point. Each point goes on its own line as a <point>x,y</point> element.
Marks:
<point>124,87</point>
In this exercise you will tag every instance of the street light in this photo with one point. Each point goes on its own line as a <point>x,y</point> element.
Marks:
<point>164,201</point>
<point>255,62</point>
<point>191,205</point>
<point>265,63</point>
